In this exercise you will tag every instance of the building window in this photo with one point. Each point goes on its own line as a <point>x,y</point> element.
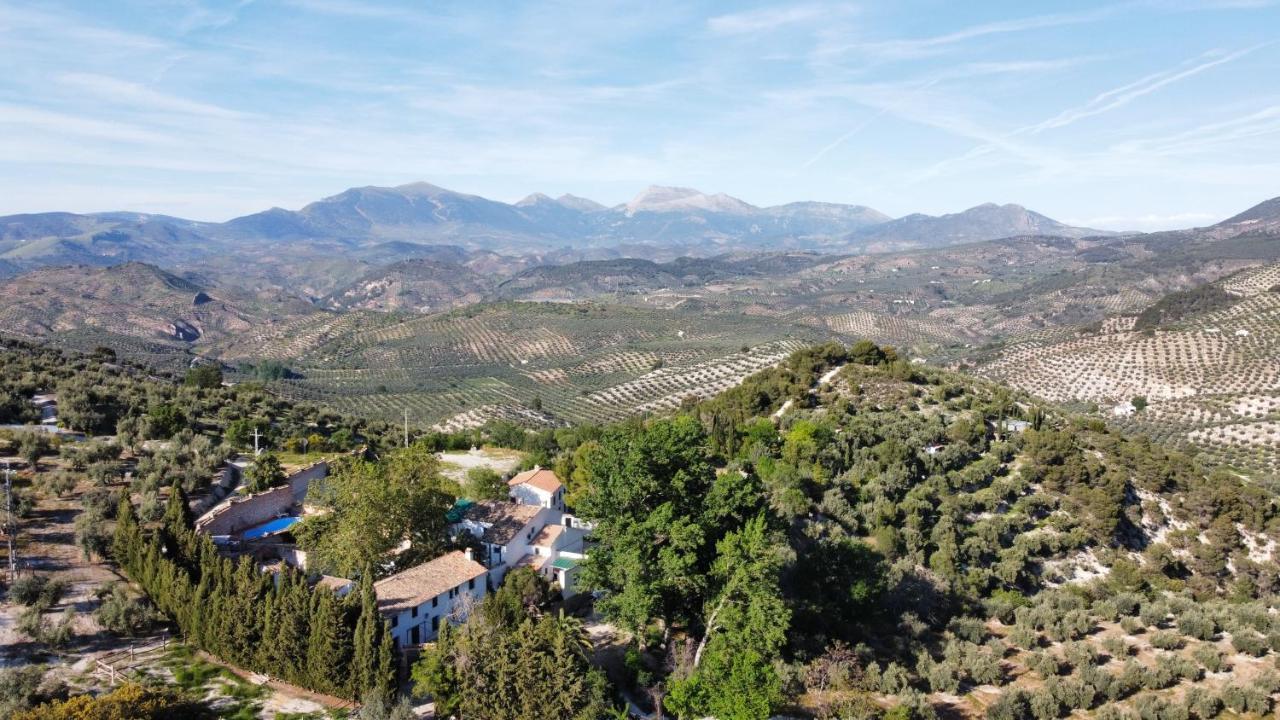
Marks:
<point>435,601</point>
<point>395,620</point>
<point>435,623</point>
<point>472,585</point>
<point>413,612</point>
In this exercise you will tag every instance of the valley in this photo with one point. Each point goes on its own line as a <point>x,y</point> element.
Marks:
<point>370,322</point>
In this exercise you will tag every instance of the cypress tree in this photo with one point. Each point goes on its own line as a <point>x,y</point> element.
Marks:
<point>364,659</point>
<point>386,672</point>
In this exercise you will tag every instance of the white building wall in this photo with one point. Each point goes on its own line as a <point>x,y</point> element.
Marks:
<point>444,609</point>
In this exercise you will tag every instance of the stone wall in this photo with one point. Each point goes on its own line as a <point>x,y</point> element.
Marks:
<point>241,512</point>
<point>245,511</point>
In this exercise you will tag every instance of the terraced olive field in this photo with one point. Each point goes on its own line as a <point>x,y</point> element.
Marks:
<point>1211,380</point>
<point>534,362</point>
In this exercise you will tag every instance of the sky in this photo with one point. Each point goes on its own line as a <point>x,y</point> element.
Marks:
<point>1142,115</point>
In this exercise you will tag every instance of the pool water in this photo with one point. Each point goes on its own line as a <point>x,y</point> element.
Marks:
<point>268,528</point>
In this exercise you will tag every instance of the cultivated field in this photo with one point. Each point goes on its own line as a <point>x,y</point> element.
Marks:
<point>1212,380</point>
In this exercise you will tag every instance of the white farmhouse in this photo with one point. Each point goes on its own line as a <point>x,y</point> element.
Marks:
<point>416,601</point>
<point>537,487</point>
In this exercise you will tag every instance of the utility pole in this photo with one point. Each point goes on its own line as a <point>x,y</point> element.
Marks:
<point>406,427</point>
<point>10,530</point>
<point>256,435</point>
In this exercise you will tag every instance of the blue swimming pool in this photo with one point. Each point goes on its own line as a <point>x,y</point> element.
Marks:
<point>268,528</point>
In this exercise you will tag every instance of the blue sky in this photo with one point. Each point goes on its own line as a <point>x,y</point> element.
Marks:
<point>1144,114</point>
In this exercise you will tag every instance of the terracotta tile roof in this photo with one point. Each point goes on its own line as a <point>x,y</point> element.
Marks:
<point>419,584</point>
<point>534,561</point>
<point>548,536</point>
<point>506,519</point>
<point>334,583</point>
<point>540,478</point>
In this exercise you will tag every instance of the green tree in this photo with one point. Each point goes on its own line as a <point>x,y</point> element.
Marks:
<point>206,375</point>
<point>653,550</point>
<point>485,484</point>
<point>264,474</point>
<point>376,507</point>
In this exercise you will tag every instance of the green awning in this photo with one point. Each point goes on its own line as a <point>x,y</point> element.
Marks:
<point>564,563</point>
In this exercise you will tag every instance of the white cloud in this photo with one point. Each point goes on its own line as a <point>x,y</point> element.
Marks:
<point>1125,94</point>
<point>1148,222</point>
<point>769,18</point>
<point>140,97</point>
<point>922,47</point>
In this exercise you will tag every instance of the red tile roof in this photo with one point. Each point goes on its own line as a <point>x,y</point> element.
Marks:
<point>539,478</point>
<point>419,584</point>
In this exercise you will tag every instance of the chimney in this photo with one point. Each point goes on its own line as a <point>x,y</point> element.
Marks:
<point>469,555</point>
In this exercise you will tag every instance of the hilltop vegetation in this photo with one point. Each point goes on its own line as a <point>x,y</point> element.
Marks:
<point>889,542</point>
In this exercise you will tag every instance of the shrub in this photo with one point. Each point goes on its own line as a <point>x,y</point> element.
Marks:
<point>894,679</point>
<point>1203,704</point>
<point>1024,637</point>
<point>1116,647</point>
<point>1080,654</point>
<point>1131,625</point>
<point>1044,663</point>
<point>1267,681</point>
<point>1210,657</point>
<point>124,613</point>
<point>1249,642</point>
<point>1246,699</point>
<point>20,688</point>
<point>37,590</point>
<point>127,701</point>
<point>968,628</point>
<point>1153,614</point>
<point>1197,625</point>
<point>1167,640</point>
<point>1045,705</point>
<point>1013,704</point>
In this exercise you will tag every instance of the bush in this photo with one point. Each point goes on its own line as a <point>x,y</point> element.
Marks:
<point>1210,657</point>
<point>127,701</point>
<point>1246,699</point>
<point>37,590</point>
<point>1044,663</point>
<point>1249,642</point>
<point>1167,640</point>
<point>1202,703</point>
<point>1024,637</point>
<point>1132,625</point>
<point>1153,614</point>
<point>1116,647</point>
<point>1013,704</point>
<point>124,613</point>
<point>1045,705</point>
<point>1197,625</point>
<point>20,688</point>
<point>1080,654</point>
<point>967,628</point>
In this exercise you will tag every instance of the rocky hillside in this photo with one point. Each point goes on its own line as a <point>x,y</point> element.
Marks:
<point>129,302</point>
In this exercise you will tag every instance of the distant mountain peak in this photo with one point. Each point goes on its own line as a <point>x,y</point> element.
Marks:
<point>534,199</point>
<point>580,203</point>
<point>660,198</point>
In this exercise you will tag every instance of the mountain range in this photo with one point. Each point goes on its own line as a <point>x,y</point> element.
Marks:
<point>660,223</point>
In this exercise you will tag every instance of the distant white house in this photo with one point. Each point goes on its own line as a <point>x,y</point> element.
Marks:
<point>1124,409</point>
<point>1011,425</point>
<point>515,535</point>
<point>537,487</point>
<point>416,601</point>
<point>531,530</point>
